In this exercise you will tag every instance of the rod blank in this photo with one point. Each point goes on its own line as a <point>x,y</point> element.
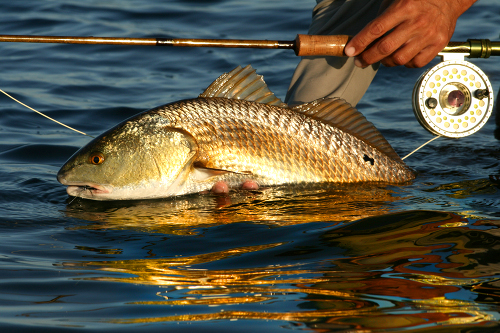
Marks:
<point>303,45</point>
<point>78,40</point>
<point>149,41</point>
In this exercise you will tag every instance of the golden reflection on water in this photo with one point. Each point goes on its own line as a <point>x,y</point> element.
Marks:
<point>334,319</point>
<point>279,205</point>
<point>467,188</point>
<point>394,271</point>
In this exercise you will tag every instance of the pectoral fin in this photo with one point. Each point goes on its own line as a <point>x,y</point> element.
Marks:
<point>202,173</point>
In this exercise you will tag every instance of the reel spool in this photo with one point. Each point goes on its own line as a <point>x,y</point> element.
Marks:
<point>453,98</point>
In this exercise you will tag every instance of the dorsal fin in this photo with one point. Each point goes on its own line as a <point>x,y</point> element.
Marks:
<point>242,83</point>
<point>339,113</point>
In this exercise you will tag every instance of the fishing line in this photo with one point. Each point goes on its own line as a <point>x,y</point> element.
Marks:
<point>71,128</point>
<point>74,198</point>
<point>434,138</point>
<point>58,122</point>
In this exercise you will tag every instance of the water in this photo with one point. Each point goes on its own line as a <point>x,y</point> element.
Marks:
<point>349,259</point>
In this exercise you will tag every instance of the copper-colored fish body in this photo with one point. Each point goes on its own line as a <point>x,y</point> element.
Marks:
<point>236,130</point>
<point>278,145</point>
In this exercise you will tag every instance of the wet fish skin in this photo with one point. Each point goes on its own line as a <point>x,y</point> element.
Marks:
<point>277,144</point>
<point>136,163</point>
<point>187,146</point>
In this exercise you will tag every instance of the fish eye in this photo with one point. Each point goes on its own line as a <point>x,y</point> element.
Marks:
<point>96,158</point>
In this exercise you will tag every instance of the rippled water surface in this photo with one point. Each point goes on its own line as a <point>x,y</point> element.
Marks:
<point>421,257</point>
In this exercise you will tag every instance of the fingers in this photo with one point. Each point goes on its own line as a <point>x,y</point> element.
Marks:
<point>221,187</point>
<point>412,55</point>
<point>250,185</point>
<point>391,50</point>
<point>372,32</point>
<point>408,32</point>
<point>398,49</point>
<point>411,59</point>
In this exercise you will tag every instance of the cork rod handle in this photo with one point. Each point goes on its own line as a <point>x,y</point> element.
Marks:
<point>321,45</point>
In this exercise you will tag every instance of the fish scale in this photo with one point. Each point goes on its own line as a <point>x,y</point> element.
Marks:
<point>284,150</point>
<point>189,145</point>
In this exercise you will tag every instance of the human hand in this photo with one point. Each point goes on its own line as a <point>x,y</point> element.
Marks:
<point>407,32</point>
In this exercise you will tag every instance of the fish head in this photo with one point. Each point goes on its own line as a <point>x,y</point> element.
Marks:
<point>130,161</point>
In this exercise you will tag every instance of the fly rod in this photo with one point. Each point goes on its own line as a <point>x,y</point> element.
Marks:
<point>303,45</point>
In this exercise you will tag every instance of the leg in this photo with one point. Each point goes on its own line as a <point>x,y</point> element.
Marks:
<point>317,77</point>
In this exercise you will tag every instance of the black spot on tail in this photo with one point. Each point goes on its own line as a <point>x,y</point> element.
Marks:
<point>369,159</point>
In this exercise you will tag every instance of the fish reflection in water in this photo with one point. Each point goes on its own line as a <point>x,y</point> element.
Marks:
<point>284,205</point>
<point>415,269</point>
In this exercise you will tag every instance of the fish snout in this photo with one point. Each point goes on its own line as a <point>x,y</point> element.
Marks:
<point>83,189</point>
<point>61,177</point>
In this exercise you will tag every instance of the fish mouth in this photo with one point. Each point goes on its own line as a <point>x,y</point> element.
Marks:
<point>87,190</point>
<point>84,189</point>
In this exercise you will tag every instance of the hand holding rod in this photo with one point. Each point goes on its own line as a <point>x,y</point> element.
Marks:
<point>303,45</point>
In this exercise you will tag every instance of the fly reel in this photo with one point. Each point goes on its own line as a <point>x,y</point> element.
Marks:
<point>453,98</point>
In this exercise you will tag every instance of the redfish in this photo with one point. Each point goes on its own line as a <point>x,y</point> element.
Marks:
<point>236,130</point>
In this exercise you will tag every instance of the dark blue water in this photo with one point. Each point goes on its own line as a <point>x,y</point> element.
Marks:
<point>421,257</point>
